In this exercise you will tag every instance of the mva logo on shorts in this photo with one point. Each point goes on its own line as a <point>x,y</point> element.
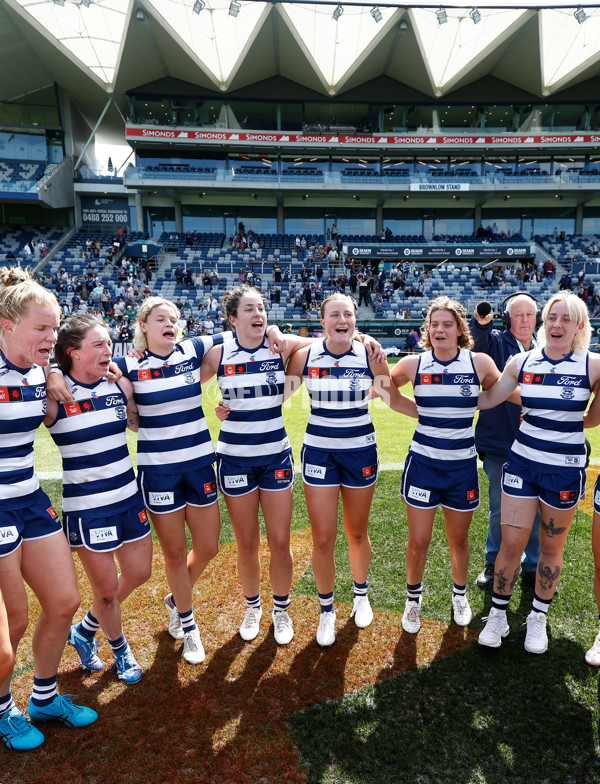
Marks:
<point>98,535</point>
<point>236,480</point>
<point>8,534</point>
<point>161,499</point>
<point>510,480</point>
<point>419,493</point>
<point>315,471</point>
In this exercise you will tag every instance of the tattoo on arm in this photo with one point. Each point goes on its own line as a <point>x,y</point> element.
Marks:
<point>550,529</point>
<point>548,575</point>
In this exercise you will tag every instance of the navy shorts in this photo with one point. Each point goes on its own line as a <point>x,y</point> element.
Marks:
<point>352,468</point>
<point>560,491</point>
<point>237,478</point>
<point>164,493</point>
<point>427,487</point>
<point>35,521</point>
<point>103,534</point>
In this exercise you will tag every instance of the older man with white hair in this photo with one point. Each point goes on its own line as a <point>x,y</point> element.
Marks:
<point>497,427</point>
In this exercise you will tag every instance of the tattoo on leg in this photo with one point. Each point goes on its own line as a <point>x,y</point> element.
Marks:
<point>548,575</point>
<point>550,529</point>
<point>503,583</point>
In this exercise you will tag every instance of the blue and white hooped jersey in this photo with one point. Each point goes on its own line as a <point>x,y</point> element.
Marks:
<point>252,383</point>
<point>339,388</point>
<point>22,409</point>
<point>98,477</point>
<point>554,398</point>
<point>446,395</point>
<point>173,436</point>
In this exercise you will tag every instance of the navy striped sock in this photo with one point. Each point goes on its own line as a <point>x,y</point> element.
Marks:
<point>44,691</point>
<point>326,600</point>
<point>188,624</point>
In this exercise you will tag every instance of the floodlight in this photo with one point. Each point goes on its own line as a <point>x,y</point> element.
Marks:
<point>198,6</point>
<point>403,26</point>
<point>442,16</point>
<point>475,15</point>
<point>376,14</point>
<point>86,3</point>
<point>337,12</point>
<point>580,14</point>
<point>234,8</point>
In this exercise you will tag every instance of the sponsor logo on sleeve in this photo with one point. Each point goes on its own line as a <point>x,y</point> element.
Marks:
<point>11,394</point>
<point>315,372</point>
<point>79,407</point>
<point>533,378</point>
<point>150,373</point>
<point>234,370</point>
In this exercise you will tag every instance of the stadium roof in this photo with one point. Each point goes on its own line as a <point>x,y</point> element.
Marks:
<point>97,48</point>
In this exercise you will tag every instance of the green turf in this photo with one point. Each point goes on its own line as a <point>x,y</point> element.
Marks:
<point>477,716</point>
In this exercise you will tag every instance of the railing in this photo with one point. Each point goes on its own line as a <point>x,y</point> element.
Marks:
<point>134,176</point>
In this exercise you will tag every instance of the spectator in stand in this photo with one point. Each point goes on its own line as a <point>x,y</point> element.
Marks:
<point>214,278</point>
<point>188,278</point>
<point>565,282</point>
<point>178,274</point>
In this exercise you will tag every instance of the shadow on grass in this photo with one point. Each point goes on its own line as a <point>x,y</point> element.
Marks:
<point>480,716</point>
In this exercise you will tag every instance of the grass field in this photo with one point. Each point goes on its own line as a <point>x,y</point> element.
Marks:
<point>379,706</point>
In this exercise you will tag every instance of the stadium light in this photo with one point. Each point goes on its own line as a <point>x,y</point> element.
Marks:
<point>376,14</point>
<point>59,2</point>
<point>442,16</point>
<point>86,3</point>
<point>337,12</point>
<point>234,8</point>
<point>580,14</point>
<point>198,6</point>
<point>475,15</point>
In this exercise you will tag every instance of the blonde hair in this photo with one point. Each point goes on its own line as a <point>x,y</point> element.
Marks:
<point>17,290</point>
<point>460,316</point>
<point>140,341</point>
<point>337,295</point>
<point>578,312</point>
